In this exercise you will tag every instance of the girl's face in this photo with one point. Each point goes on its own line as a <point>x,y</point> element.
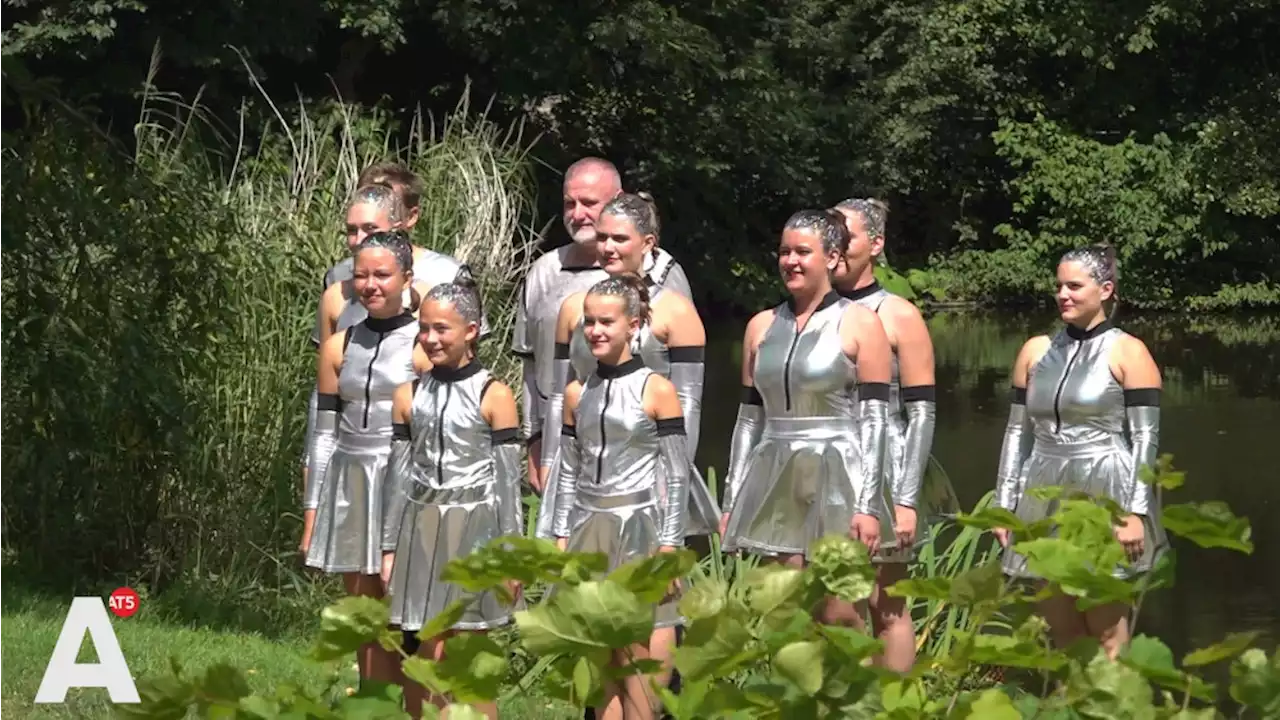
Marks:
<point>379,282</point>
<point>621,249</point>
<point>365,219</point>
<point>862,251</point>
<point>1080,297</point>
<point>606,326</point>
<point>444,334</point>
<point>804,265</point>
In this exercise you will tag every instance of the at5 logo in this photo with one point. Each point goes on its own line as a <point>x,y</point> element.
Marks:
<point>89,615</point>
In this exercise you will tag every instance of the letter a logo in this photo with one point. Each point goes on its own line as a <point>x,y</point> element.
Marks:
<point>110,672</point>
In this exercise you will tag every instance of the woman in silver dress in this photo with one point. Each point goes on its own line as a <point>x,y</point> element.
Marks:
<point>456,453</point>
<point>347,497</point>
<point>1085,416</point>
<point>804,462</point>
<point>915,484</point>
<point>671,342</point>
<point>624,468</point>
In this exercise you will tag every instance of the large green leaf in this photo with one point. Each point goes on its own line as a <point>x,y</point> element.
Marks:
<point>650,576</point>
<point>1154,660</point>
<point>1255,681</point>
<point>1209,524</point>
<point>801,663</point>
<point>1229,647</point>
<point>843,567</point>
<point>592,614</point>
<point>348,624</point>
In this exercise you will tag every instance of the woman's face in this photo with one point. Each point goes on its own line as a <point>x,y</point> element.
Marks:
<point>365,219</point>
<point>621,249</point>
<point>862,251</point>
<point>804,265</point>
<point>606,326</point>
<point>379,282</point>
<point>1080,296</point>
<point>444,334</point>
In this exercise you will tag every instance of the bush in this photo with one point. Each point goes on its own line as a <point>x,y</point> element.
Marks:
<point>157,310</point>
<point>753,650</point>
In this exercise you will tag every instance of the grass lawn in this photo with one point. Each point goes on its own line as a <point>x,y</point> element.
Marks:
<point>29,627</point>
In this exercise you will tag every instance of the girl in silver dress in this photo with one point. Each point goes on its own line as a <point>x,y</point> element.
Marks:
<point>916,486</point>
<point>347,496</point>
<point>671,343</point>
<point>804,461</point>
<point>624,467</point>
<point>456,450</point>
<point>1085,416</point>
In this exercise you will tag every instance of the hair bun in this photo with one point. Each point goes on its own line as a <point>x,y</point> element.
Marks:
<point>882,204</point>
<point>645,196</point>
<point>465,277</point>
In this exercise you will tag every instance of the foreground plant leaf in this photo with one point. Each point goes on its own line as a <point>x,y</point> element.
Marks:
<point>801,663</point>
<point>843,567</point>
<point>990,518</point>
<point>650,576</point>
<point>1073,569</point>
<point>373,701</point>
<point>474,667</point>
<point>715,647</point>
<point>1209,525</point>
<point>589,615</point>
<point>771,587</point>
<point>1255,681</point>
<point>1154,660</point>
<point>1013,652</point>
<point>1111,690</point>
<point>992,704</point>
<point>706,598</point>
<point>1229,647</point>
<point>440,624</point>
<point>348,624</point>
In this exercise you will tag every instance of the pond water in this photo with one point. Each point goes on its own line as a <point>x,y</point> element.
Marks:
<point>1220,419</point>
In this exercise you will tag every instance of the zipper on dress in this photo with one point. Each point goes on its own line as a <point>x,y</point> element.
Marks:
<point>368,381</point>
<point>786,369</point>
<point>1057,397</point>
<point>448,393</point>
<point>608,384</point>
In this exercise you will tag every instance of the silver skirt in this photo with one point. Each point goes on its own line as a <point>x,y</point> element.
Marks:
<point>439,526</point>
<point>347,537</point>
<point>802,483</point>
<point>623,528</point>
<point>1100,468</point>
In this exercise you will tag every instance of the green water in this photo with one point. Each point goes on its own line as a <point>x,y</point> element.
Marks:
<point>1220,419</point>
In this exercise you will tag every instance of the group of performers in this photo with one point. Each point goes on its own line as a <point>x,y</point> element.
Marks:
<point>414,452</point>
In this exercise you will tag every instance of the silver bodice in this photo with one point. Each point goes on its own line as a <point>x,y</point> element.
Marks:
<point>806,374</point>
<point>452,442</point>
<point>872,297</point>
<point>1072,397</point>
<point>618,441</point>
<point>377,360</point>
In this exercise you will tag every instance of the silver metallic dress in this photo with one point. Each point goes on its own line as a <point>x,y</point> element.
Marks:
<point>351,447</point>
<point>914,477</point>
<point>429,267</point>
<point>623,476</point>
<point>684,366</point>
<point>804,460</point>
<point>1075,426</point>
<point>546,286</point>
<point>462,490</point>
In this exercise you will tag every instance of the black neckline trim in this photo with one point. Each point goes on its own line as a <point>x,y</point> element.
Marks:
<point>610,372</point>
<point>827,301</point>
<point>1076,333</point>
<point>448,375</point>
<point>859,293</point>
<point>385,325</point>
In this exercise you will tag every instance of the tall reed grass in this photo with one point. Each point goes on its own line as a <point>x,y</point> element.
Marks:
<point>157,308</point>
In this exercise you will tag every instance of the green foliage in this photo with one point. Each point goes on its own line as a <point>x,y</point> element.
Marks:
<point>754,648</point>
<point>157,310</point>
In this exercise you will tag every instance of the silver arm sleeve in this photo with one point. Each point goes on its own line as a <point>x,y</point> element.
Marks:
<point>688,367</point>
<point>673,495</point>
<point>567,484</point>
<point>395,488</point>
<point>921,409</point>
<point>508,468</point>
<point>873,434</point>
<point>1142,407</point>
<point>746,435</point>
<point>311,427</point>
<point>530,400</point>
<point>1018,441</point>
<point>561,370</point>
<point>323,440</point>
